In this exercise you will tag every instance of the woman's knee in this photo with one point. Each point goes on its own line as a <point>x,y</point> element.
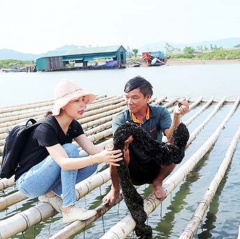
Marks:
<point>71,150</point>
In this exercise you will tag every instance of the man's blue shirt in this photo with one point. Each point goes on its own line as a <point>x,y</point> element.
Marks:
<point>159,121</point>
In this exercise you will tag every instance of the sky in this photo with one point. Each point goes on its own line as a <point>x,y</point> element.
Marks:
<point>38,26</point>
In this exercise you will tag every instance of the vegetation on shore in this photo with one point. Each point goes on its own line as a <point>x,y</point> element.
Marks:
<point>220,54</point>
<point>192,54</point>
<point>5,64</point>
<point>188,53</point>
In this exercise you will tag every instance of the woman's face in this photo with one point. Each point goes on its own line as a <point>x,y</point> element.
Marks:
<point>76,108</point>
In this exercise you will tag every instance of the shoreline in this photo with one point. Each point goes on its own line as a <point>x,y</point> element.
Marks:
<point>173,62</point>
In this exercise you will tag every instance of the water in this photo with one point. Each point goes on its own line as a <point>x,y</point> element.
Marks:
<point>168,220</point>
<point>190,81</point>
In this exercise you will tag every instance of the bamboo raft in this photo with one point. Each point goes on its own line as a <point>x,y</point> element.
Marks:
<point>97,126</point>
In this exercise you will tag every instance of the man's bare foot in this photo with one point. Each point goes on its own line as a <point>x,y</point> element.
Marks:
<point>111,197</point>
<point>159,191</point>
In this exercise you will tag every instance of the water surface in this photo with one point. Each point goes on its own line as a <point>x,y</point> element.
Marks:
<point>168,220</point>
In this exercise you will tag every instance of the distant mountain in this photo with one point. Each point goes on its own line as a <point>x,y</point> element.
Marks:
<point>160,46</point>
<point>155,46</point>
<point>16,55</point>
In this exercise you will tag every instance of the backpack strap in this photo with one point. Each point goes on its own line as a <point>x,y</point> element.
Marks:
<point>31,120</point>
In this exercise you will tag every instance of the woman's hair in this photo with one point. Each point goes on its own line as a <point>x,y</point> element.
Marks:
<point>49,112</point>
<point>140,83</point>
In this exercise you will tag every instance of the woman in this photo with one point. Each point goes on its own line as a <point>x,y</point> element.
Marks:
<point>55,166</point>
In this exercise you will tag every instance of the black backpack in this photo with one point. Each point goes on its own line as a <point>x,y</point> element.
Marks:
<point>14,145</point>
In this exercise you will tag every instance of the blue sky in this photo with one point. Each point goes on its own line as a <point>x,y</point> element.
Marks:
<point>37,26</point>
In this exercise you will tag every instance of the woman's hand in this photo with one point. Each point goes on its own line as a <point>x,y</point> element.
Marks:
<point>108,156</point>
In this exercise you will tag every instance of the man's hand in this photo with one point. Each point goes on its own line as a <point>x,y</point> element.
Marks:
<point>182,107</point>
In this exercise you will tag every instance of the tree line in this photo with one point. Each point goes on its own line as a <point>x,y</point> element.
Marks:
<point>199,52</point>
<point>10,63</point>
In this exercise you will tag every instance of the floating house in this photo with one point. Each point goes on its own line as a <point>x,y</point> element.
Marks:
<point>77,58</point>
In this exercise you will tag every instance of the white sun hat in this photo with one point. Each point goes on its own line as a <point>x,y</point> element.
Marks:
<point>67,90</point>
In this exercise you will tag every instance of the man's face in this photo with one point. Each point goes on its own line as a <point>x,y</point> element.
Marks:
<point>136,101</point>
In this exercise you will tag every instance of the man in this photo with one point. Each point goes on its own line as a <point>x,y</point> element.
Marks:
<point>156,121</point>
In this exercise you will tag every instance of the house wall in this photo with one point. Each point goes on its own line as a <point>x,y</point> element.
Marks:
<point>53,63</point>
<point>42,64</point>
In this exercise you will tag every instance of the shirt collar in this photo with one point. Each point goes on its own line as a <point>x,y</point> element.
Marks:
<point>136,120</point>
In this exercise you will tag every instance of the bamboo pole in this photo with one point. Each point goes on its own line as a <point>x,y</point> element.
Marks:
<point>33,105</point>
<point>93,138</point>
<point>22,116</point>
<point>9,109</point>
<point>12,199</point>
<point>25,106</point>
<point>92,108</point>
<point>96,114</point>
<point>101,135</point>
<point>196,102</point>
<point>87,123</point>
<point>5,126</point>
<point>19,113</point>
<point>77,226</point>
<point>159,101</point>
<point>90,119</point>
<point>194,159</point>
<point>99,128</point>
<point>17,196</point>
<point>197,217</point>
<point>39,113</point>
<point>116,101</point>
<point>124,227</point>
<point>103,109</point>
<point>199,112</point>
<point>85,126</point>
<point>23,220</point>
<point>104,114</point>
<point>171,102</point>
<point>198,129</point>
<point>94,130</point>
<point>97,139</point>
<point>2,141</point>
<point>100,121</point>
<point>42,211</point>
<point>5,183</point>
<point>90,124</point>
<point>84,120</point>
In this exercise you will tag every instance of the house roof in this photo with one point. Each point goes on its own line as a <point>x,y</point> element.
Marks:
<point>82,50</point>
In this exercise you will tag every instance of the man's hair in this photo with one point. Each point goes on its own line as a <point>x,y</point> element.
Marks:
<point>140,83</point>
